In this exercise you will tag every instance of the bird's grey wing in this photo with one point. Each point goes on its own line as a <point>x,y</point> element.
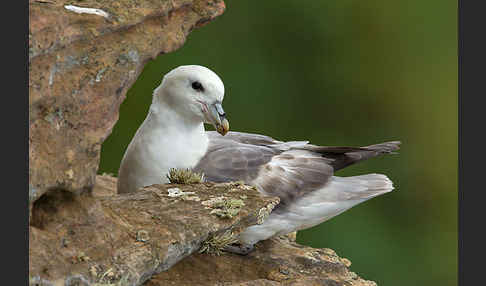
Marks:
<point>274,167</point>
<point>242,137</point>
<point>293,174</point>
<point>284,169</point>
<point>228,159</point>
<point>341,157</point>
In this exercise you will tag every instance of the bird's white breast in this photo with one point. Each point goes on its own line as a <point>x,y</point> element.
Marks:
<point>157,147</point>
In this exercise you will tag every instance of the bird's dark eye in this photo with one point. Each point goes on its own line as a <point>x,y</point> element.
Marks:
<point>197,86</point>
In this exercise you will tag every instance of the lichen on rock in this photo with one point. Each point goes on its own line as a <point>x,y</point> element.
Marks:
<point>224,207</point>
<point>265,211</point>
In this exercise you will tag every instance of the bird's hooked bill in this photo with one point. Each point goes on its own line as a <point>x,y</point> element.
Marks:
<point>219,118</point>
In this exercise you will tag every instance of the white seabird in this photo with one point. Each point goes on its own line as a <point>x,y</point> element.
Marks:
<point>301,174</point>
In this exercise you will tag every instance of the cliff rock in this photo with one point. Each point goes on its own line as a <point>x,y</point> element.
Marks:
<point>83,57</point>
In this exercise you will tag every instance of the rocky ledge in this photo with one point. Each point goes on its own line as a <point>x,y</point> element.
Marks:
<point>162,235</point>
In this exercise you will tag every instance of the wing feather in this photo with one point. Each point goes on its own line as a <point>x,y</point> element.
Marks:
<point>284,169</point>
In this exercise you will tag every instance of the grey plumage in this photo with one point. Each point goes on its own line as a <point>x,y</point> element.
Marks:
<point>302,167</point>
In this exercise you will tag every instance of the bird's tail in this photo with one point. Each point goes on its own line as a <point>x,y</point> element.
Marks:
<point>339,195</point>
<point>365,186</point>
<point>344,191</point>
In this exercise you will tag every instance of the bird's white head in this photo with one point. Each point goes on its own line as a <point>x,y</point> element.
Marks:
<point>196,93</point>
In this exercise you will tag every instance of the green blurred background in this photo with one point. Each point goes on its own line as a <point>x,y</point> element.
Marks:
<point>344,72</point>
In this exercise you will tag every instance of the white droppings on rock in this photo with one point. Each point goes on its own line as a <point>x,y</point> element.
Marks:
<point>99,75</point>
<point>133,56</point>
<point>83,10</point>
<point>143,236</point>
<point>70,173</point>
<point>52,73</point>
<point>176,192</point>
<point>32,193</point>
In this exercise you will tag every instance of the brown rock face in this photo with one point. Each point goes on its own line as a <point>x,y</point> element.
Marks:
<point>125,239</point>
<point>153,237</point>
<point>80,67</point>
<point>277,261</point>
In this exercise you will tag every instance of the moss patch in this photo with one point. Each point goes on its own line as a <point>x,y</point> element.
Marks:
<point>216,244</point>
<point>184,176</point>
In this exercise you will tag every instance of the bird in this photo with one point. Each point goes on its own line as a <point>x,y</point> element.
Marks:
<point>299,173</point>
